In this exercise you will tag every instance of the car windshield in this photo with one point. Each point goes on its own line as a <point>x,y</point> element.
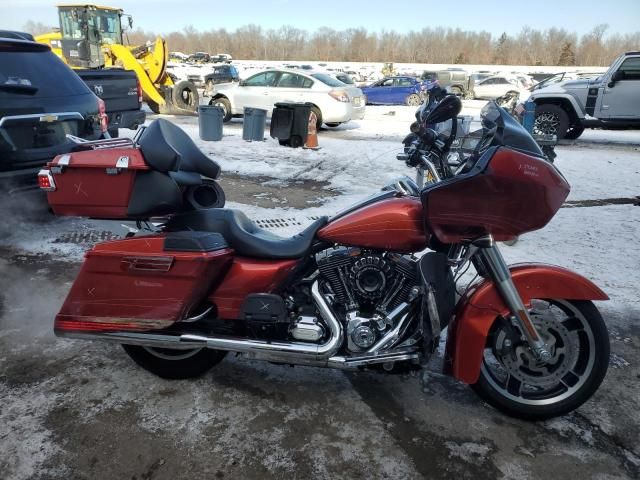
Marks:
<point>327,79</point>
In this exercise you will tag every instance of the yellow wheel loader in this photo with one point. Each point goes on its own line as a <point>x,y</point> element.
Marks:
<point>90,36</point>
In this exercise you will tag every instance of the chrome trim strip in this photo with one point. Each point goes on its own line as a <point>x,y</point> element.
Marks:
<point>61,116</point>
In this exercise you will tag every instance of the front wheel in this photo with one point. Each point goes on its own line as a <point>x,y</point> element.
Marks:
<point>413,100</point>
<point>513,381</point>
<point>225,104</point>
<point>175,364</point>
<point>551,120</point>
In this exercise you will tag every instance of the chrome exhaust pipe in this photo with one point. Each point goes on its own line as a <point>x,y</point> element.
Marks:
<point>287,352</point>
<point>283,351</point>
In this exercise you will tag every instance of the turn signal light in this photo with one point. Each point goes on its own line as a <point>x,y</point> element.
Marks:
<point>45,181</point>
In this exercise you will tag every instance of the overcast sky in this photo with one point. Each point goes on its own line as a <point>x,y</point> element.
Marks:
<point>495,16</point>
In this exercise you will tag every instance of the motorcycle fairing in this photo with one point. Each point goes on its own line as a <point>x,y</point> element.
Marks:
<point>482,304</point>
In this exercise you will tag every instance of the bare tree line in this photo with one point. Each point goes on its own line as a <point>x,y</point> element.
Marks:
<point>554,46</point>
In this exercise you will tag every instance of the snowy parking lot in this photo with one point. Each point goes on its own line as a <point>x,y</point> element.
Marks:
<point>78,410</point>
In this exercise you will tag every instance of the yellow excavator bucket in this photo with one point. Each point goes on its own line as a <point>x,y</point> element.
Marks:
<point>123,56</point>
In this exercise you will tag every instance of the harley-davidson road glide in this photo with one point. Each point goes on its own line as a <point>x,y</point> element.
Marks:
<point>371,287</point>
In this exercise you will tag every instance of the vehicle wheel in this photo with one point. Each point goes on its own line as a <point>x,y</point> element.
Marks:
<point>113,132</point>
<point>175,364</point>
<point>207,195</point>
<point>185,96</point>
<point>333,124</point>
<point>295,141</point>
<point>413,100</point>
<point>457,91</point>
<point>318,113</point>
<point>574,132</point>
<point>155,108</point>
<point>513,381</point>
<point>551,120</point>
<point>223,103</point>
<point>469,95</point>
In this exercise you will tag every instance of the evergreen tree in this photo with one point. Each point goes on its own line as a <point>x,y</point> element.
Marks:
<point>567,54</point>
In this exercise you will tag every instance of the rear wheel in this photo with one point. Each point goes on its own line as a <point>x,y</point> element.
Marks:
<point>155,108</point>
<point>225,105</point>
<point>175,364</point>
<point>551,120</point>
<point>413,100</point>
<point>318,113</point>
<point>515,382</point>
<point>574,132</point>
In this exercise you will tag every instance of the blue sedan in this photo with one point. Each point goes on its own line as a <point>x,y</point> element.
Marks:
<point>396,91</point>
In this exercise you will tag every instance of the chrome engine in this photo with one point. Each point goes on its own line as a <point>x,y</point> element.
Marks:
<point>366,287</point>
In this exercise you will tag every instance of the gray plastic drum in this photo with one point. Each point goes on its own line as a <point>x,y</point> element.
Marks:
<point>254,123</point>
<point>210,122</point>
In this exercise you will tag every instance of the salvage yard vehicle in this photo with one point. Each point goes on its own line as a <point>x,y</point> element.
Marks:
<point>458,81</point>
<point>118,88</point>
<point>220,74</point>
<point>396,91</point>
<point>497,86</point>
<point>36,113</point>
<point>91,37</point>
<point>348,291</point>
<point>611,100</point>
<point>333,101</point>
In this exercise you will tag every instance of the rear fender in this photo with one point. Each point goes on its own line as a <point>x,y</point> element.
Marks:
<point>482,304</point>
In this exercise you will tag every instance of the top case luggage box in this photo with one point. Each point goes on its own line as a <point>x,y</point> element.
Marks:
<point>95,183</point>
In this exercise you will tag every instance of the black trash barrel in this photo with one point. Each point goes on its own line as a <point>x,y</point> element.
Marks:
<point>290,123</point>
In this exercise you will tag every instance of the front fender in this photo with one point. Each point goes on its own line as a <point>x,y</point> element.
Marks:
<point>482,304</point>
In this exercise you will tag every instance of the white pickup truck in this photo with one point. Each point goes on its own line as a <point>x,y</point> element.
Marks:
<point>611,100</point>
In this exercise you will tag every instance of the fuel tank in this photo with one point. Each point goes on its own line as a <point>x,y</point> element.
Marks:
<point>395,224</point>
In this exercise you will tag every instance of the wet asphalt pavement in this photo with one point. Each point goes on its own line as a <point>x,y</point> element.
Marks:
<point>73,409</point>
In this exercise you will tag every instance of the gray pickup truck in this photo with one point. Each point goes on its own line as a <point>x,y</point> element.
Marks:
<point>611,100</point>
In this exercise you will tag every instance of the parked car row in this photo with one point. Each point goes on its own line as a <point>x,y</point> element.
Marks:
<point>334,102</point>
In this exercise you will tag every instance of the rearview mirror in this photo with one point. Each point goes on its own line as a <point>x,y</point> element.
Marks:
<point>448,108</point>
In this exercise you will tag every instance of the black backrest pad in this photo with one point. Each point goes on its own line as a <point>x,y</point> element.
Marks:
<point>166,147</point>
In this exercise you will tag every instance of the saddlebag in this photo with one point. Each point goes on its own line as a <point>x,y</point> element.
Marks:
<point>109,183</point>
<point>144,283</point>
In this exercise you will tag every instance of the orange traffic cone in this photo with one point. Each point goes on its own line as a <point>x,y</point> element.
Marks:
<point>312,133</point>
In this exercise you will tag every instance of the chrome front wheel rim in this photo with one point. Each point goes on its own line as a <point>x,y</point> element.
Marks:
<point>519,377</point>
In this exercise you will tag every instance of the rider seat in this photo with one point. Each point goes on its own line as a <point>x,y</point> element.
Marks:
<point>244,236</point>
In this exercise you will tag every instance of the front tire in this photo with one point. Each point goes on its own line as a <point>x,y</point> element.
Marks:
<point>225,104</point>
<point>175,364</point>
<point>551,120</point>
<point>514,382</point>
<point>413,100</point>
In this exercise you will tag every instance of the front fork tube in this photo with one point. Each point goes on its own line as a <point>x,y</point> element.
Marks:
<point>499,272</point>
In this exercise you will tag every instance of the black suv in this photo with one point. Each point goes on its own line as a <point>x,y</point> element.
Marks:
<point>41,101</point>
<point>220,74</point>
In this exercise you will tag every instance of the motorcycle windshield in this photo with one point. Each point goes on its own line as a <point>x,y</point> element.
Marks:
<point>507,131</point>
